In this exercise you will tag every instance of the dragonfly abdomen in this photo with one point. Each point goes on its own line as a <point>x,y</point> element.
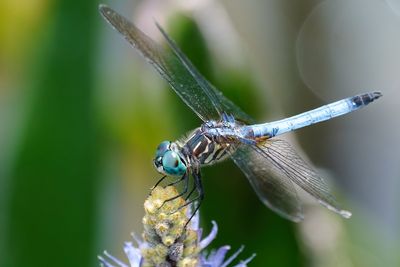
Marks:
<point>317,115</point>
<point>364,99</point>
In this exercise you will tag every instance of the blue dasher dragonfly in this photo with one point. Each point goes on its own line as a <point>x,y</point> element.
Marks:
<point>271,165</point>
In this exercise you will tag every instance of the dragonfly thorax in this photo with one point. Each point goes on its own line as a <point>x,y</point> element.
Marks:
<point>206,145</point>
<point>207,148</point>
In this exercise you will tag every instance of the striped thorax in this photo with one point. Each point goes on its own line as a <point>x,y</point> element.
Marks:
<point>206,148</point>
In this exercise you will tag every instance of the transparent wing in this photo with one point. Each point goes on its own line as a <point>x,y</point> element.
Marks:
<point>272,185</point>
<point>206,101</point>
<point>287,162</point>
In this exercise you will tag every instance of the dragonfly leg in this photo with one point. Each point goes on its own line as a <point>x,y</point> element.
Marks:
<point>177,181</point>
<point>199,198</point>
<point>187,204</point>
<point>190,193</point>
<point>159,181</point>
<point>170,184</point>
<point>187,197</point>
<point>184,191</point>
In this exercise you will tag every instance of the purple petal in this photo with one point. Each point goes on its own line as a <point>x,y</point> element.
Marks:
<point>244,263</point>
<point>231,258</point>
<point>133,254</point>
<point>216,258</point>
<point>112,258</point>
<point>199,233</point>
<point>103,262</point>
<point>138,241</point>
<point>195,222</point>
<point>211,236</point>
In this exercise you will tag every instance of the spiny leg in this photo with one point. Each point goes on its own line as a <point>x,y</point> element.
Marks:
<point>184,191</point>
<point>191,192</point>
<point>170,184</point>
<point>187,203</point>
<point>186,199</point>
<point>199,198</point>
<point>177,181</point>
<point>158,182</point>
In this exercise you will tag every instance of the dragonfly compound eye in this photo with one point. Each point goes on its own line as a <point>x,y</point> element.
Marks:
<point>162,148</point>
<point>173,164</point>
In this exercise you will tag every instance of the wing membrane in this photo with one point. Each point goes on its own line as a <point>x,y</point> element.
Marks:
<point>288,163</point>
<point>206,101</point>
<point>272,185</point>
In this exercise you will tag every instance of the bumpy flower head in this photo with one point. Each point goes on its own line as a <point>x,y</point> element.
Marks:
<point>165,232</point>
<point>167,242</point>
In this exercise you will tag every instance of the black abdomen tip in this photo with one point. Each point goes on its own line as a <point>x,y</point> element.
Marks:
<point>376,95</point>
<point>365,99</point>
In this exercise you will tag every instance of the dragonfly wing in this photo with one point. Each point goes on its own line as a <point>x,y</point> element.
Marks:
<point>287,162</point>
<point>272,186</point>
<point>220,102</point>
<point>207,102</point>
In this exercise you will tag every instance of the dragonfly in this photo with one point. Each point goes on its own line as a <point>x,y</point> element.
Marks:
<point>273,168</point>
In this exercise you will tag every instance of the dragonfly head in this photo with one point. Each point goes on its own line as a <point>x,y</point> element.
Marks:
<point>168,160</point>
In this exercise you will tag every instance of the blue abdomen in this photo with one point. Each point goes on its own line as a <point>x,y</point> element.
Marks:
<point>320,114</point>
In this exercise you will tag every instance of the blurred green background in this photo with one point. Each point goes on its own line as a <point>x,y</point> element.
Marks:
<point>81,114</point>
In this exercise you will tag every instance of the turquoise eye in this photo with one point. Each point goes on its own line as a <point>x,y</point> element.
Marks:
<point>172,164</point>
<point>162,148</point>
